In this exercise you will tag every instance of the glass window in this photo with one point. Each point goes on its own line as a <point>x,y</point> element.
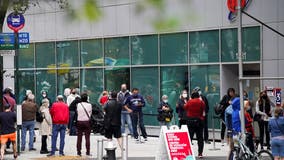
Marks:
<point>92,83</point>
<point>67,54</point>
<point>251,44</point>
<point>45,55</point>
<point>173,81</point>
<point>204,46</point>
<point>173,48</point>
<point>117,51</point>
<point>144,49</point>
<point>229,45</point>
<point>208,79</point>
<point>147,81</point>
<point>114,77</point>
<point>26,57</point>
<point>91,53</point>
<point>45,81</point>
<point>26,82</point>
<point>67,78</point>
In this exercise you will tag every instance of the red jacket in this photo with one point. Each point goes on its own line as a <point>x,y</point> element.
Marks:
<point>195,108</point>
<point>59,113</point>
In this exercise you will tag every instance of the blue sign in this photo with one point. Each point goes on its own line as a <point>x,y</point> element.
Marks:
<point>15,21</point>
<point>278,96</point>
<point>8,38</point>
<point>24,38</point>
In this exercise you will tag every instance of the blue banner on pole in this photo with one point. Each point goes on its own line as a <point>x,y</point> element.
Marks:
<point>278,96</point>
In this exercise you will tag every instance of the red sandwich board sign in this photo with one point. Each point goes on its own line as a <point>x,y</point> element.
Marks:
<point>175,144</point>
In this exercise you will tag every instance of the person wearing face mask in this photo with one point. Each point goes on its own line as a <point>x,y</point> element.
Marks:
<point>179,108</point>
<point>263,108</point>
<point>72,96</point>
<point>70,99</point>
<point>165,112</point>
<point>44,95</point>
<point>133,105</point>
<point>249,126</point>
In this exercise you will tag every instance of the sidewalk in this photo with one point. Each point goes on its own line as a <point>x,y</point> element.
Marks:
<point>136,151</point>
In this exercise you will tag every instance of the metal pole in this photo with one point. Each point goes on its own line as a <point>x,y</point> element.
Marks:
<point>213,130</point>
<point>124,152</point>
<point>100,149</point>
<point>240,66</point>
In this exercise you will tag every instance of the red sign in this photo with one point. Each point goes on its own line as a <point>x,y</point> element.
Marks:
<point>15,21</point>
<point>179,145</point>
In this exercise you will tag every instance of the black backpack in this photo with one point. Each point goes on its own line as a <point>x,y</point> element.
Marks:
<point>39,117</point>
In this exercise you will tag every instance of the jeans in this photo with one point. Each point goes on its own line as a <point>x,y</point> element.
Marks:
<point>58,128</point>
<point>163,123</point>
<point>83,127</point>
<point>199,134</point>
<point>28,125</point>
<point>71,125</point>
<point>138,117</point>
<point>125,117</point>
<point>263,128</point>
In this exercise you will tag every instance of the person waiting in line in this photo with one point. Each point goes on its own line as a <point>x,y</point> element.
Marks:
<point>8,130</point>
<point>104,98</point>
<point>84,112</point>
<point>195,109</point>
<point>45,126</point>
<point>70,99</point>
<point>44,95</point>
<point>122,95</point>
<point>179,108</point>
<point>226,101</point>
<point>263,108</point>
<point>133,105</point>
<point>276,129</point>
<point>112,118</point>
<point>60,116</point>
<point>165,112</point>
<point>205,131</point>
<point>29,109</point>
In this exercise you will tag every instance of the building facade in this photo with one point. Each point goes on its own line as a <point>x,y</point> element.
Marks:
<point>124,47</point>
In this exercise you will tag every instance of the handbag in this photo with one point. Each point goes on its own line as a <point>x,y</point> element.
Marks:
<point>256,117</point>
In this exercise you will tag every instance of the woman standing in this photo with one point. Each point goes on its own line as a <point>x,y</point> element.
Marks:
<point>276,128</point>
<point>179,108</point>
<point>264,109</point>
<point>165,112</point>
<point>45,126</point>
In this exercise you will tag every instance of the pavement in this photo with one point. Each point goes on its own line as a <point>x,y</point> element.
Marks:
<point>136,151</point>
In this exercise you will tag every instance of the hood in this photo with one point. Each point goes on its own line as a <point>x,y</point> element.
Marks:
<point>236,103</point>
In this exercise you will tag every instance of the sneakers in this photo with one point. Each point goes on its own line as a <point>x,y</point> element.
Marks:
<point>32,149</point>
<point>50,155</point>
<point>222,142</point>
<point>145,139</point>
<point>200,156</point>
<point>61,155</point>
<point>44,152</point>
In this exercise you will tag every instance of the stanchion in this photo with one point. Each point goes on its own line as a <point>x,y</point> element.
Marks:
<point>100,149</point>
<point>110,149</point>
<point>124,148</point>
<point>213,130</point>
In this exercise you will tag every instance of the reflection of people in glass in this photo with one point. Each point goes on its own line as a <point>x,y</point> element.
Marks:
<point>134,104</point>
<point>179,108</point>
<point>165,112</point>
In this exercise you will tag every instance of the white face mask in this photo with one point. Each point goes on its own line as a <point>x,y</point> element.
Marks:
<point>165,100</point>
<point>199,92</point>
<point>184,95</point>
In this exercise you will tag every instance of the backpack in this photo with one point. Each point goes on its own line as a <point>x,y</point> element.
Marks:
<point>39,117</point>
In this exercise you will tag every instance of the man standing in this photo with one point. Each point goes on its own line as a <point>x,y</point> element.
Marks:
<point>204,99</point>
<point>8,99</point>
<point>133,105</point>
<point>125,115</point>
<point>29,110</point>
<point>60,117</point>
<point>8,130</point>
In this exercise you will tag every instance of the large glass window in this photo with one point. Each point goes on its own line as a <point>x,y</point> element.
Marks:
<point>173,81</point>
<point>45,55</point>
<point>91,53</point>
<point>114,77</point>
<point>144,49</point>
<point>204,46</point>
<point>208,79</point>
<point>67,78</point>
<point>251,44</point>
<point>26,82</point>
<point>26,57</point>
<point>116,51</point>
<point>174,48</point>
<point>92,83</point>
<point>45,81</point>
<point>67,54</point>
<point>147,81</point>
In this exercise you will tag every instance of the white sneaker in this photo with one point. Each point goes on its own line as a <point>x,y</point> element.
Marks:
<point>222,142</point>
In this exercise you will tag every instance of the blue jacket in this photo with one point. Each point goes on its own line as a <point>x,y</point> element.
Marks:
<point>132,101</point>
<point>273,127</point>
<point>228,117</point>
<point>236,122</point>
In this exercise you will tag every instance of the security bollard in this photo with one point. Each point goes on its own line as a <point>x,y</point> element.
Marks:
<point>100,149</point>
<point>124,152</point>
<point>110,149</point>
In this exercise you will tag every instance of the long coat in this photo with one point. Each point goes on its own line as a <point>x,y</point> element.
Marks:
<point>45,127</point>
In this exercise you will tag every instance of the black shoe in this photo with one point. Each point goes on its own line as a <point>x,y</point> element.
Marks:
<point>32,149</point>
<point>44,152</point>
<point>22,149</point>
<point>207,142</point>
<point>61,155</point>
<point>34,139</point>
<point>50,155</point>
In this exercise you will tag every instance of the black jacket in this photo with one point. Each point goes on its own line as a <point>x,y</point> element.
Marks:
<point>113,112</point>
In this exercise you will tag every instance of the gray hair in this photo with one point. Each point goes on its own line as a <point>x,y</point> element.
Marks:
<point>164,97</point>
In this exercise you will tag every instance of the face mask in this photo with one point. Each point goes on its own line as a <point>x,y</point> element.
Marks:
<point>165,100</point>
<point>44,95</point>
<point>123,89</point>
<point>184,95</point>
<point>199,92</point>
